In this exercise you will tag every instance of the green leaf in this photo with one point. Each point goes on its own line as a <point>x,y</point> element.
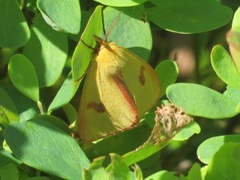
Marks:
<point>195,172</point>
<point>8,108</point>
<point>122,3</point>
<point>72,116</point>
<point>115,144</point>
<point>212,145</point>
<point>96,170</point>
<point>188,131</point>
<point>3,117</point>
<point>61,15</point>
<point>187,16</point>
<point>224,66</point>
<point>23,76</point>
<point>118,168</point>
<point>14,31</point>
<point>201,101</point>
<point>83,54</point>
<point>235,154</point>
<point>167,72</point>
<point>222,165</point>
<point>47,50</point>
<point>64,94</point>
<point>142,152</point>
<point>7,157</point>
<point>26,108</point>
<point>236,18</point>
<point>128,20</point>
<point>9,171</point>
<point>41,145</point>
<point>165,175</point>
<point>137,172</point>
<point>57,122</point>
<point>233,93</point>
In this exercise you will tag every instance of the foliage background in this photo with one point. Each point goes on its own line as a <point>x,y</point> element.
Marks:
<point>41,68</point>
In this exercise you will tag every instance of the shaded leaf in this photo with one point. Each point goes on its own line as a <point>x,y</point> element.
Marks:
<point>14,31</point>
<point>167,72</point>
<point>9,111</point>
<point>9,171</point>
<point>47,50</point>
<point>26,107</point>
<point>43,146</point>
<point>23,76</point>
<point>64,94</point>
<point>189,16</point>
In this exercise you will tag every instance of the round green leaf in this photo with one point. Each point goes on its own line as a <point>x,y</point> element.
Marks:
<point>122,3</point>
<point>201,101</point>
<point>47,50</point>
<point>224,66</point>
<point>124,25</point>
<point>61,15</point>
<point>189,16</point>
<point>41,145</point>
<point>14,31</point>
<point>167,72</point>
<point>222,166</point>
<point>209,147</point>
<point>23,76</point>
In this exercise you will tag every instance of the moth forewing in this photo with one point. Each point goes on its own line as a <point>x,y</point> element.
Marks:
<point>141,80</point>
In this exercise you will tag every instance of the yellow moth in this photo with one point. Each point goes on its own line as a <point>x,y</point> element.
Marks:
<point>119,88</point>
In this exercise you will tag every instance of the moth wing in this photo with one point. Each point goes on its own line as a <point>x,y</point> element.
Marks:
<point>104,109</point>
<point>141,81</point>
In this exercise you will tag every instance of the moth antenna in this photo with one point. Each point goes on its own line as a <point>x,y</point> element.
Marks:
<point>111,27</point>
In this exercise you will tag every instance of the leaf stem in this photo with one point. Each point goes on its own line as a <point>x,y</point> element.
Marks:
<point>39,104</point>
